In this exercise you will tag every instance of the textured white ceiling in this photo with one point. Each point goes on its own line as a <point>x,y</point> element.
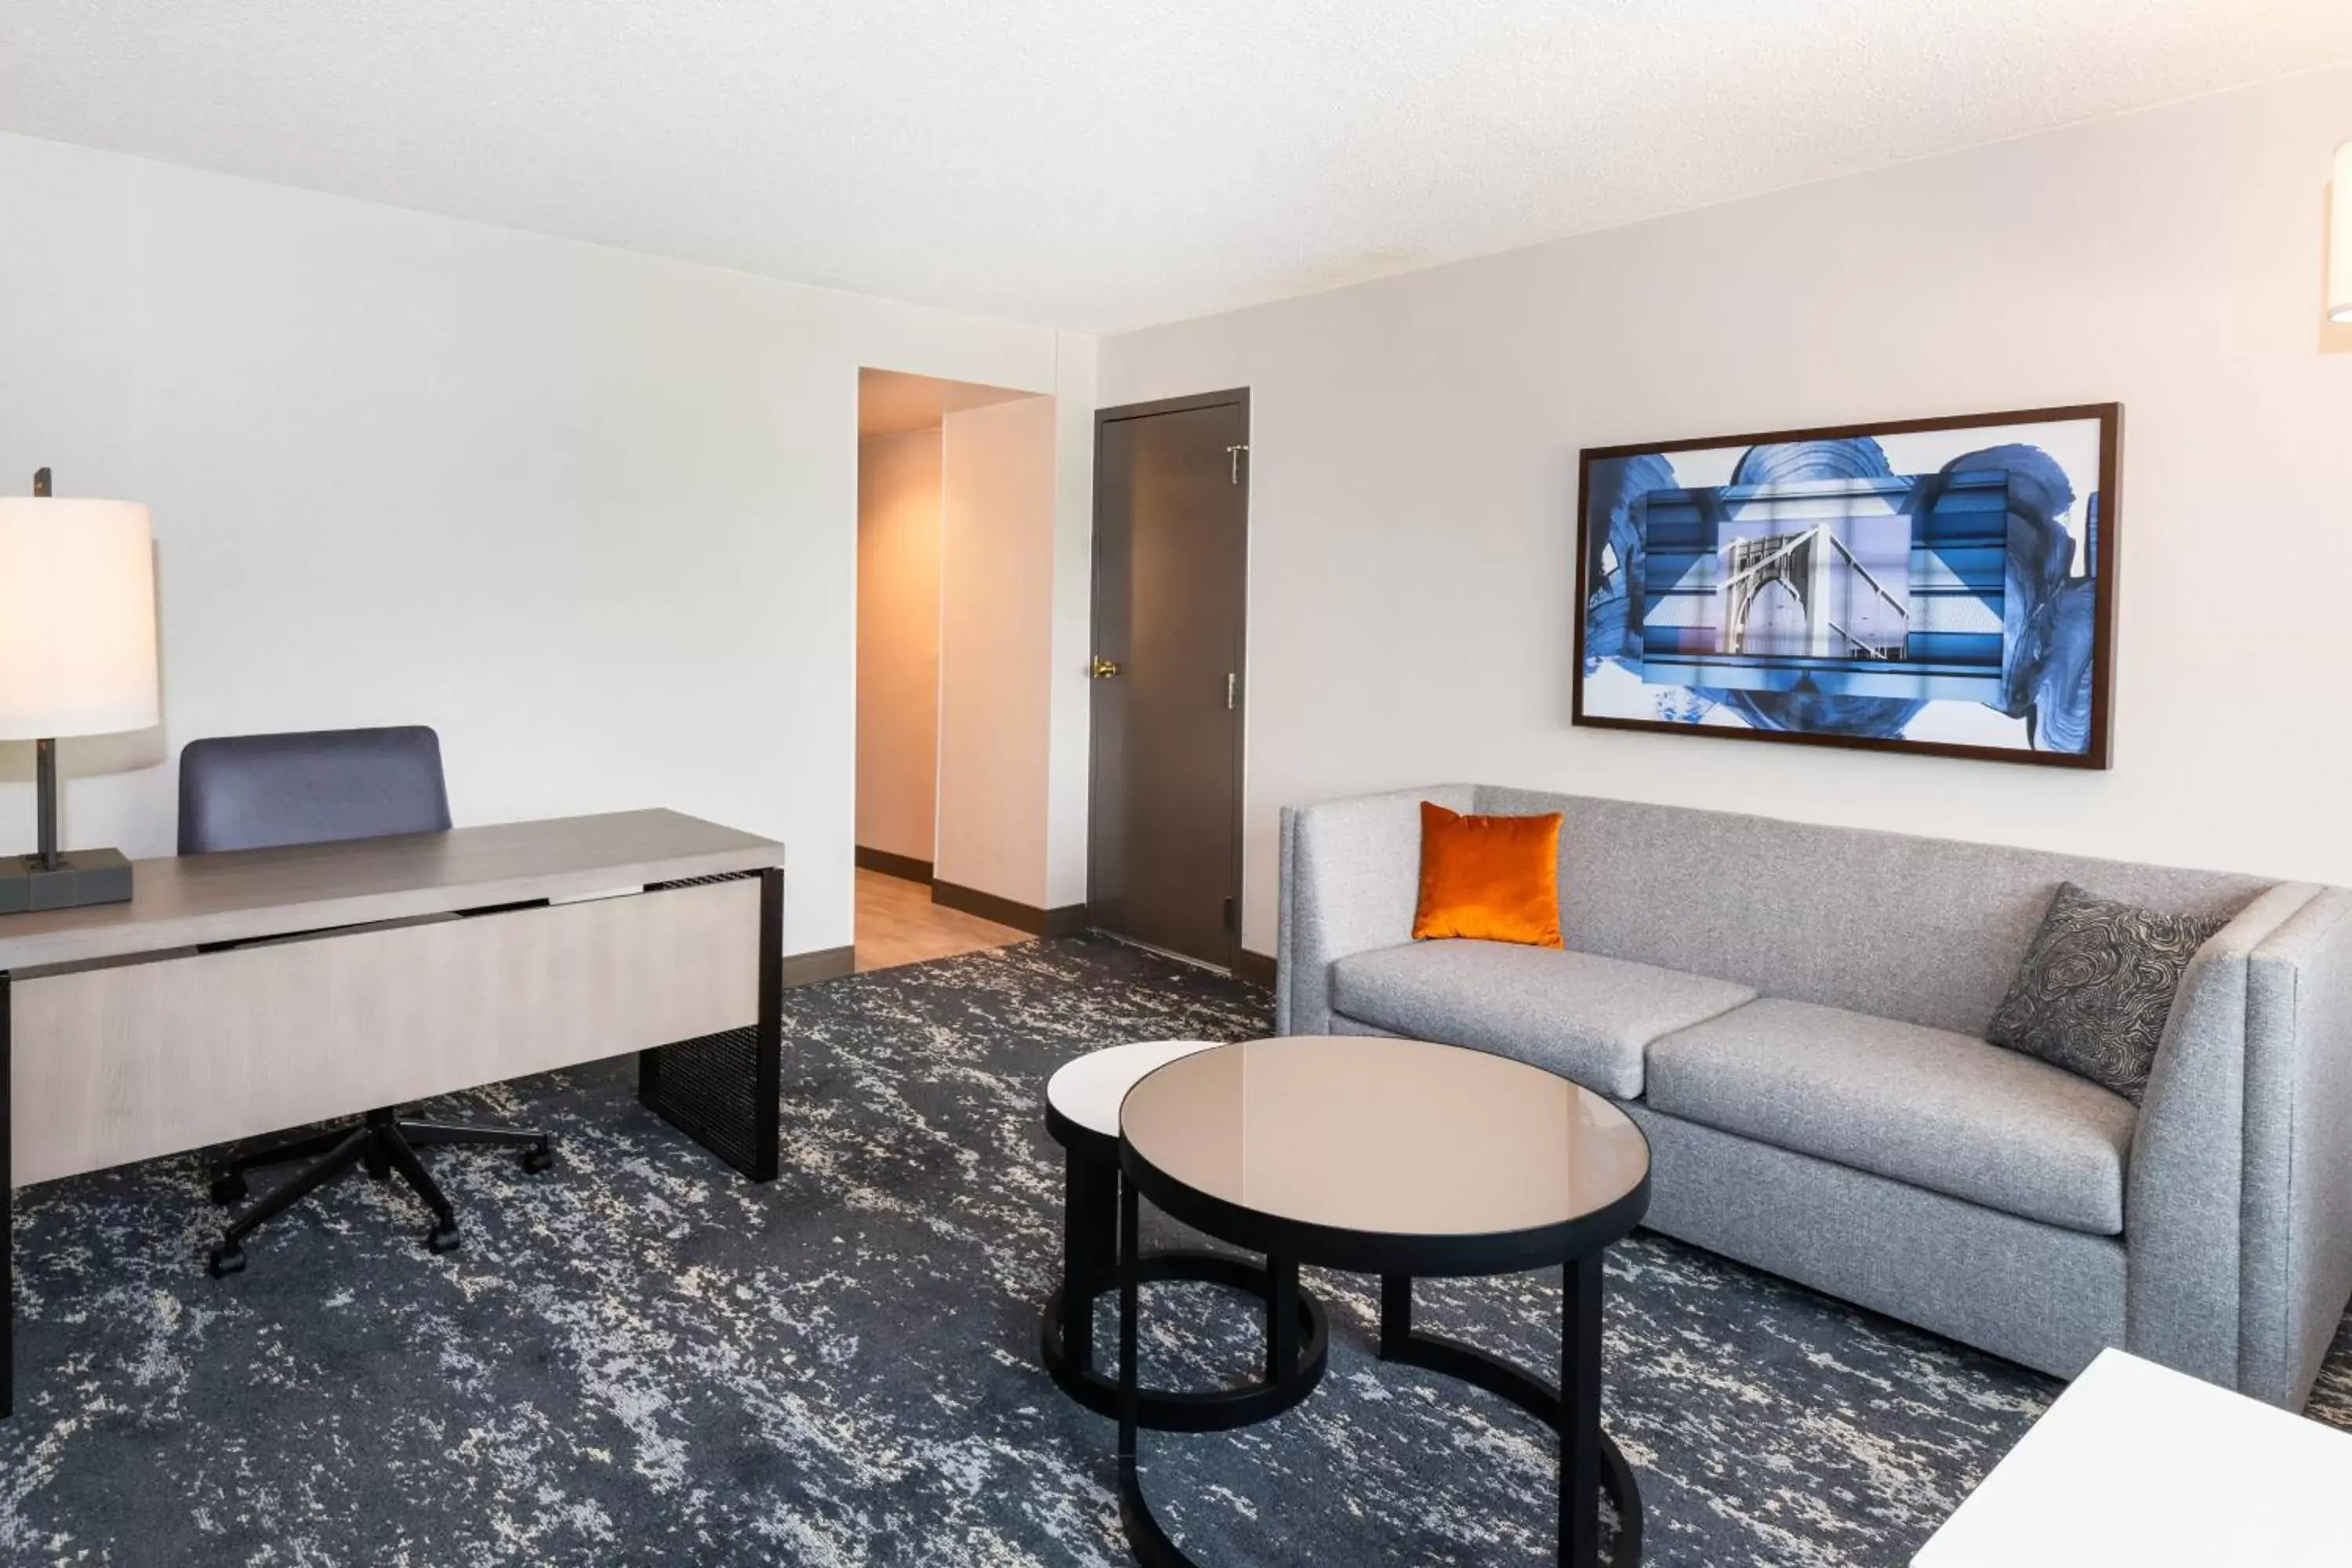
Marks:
<point>1095,164</point>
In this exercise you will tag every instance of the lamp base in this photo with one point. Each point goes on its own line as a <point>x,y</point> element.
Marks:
<point>83,877</point>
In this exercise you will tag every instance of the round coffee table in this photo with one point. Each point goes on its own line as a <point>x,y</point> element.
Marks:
<point>1402,1159</point>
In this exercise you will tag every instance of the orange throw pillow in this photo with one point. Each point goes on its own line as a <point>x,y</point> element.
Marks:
<point>1496,878</point>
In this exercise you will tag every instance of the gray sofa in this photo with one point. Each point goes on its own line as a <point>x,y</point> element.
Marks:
<point>1794,1014</point>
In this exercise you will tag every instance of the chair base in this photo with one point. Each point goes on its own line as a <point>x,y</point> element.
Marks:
<point>382,1145</point>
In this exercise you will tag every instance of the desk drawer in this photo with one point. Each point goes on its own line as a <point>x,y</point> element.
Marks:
<point>124,1063</point>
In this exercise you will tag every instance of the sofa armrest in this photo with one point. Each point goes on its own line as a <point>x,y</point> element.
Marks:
<point>1351,878</point>
<point>2181,1211</point>
<point>2298,1254</point>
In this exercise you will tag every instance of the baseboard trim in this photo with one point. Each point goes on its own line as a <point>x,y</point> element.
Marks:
<point>1254,968</point>
<point>825,964</point>
<point>890,864</point>
<point>1067,920</point>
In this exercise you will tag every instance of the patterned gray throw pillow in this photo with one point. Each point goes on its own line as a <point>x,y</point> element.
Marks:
<point>2097,985</point>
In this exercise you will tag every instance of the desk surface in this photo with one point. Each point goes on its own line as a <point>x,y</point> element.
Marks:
<point>240,895</point>
<point>2139,1464</point>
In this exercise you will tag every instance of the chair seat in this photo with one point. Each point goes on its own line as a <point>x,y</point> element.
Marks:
<point>1928,1107</point>
<point>1585,1018</point>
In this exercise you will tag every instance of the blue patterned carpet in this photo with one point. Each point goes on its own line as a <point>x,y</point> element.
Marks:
<point>643,1359</point>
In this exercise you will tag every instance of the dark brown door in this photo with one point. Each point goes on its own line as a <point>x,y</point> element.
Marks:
<point>1171,525</point>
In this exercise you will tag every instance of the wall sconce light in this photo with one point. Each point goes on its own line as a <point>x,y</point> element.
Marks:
<point>2339,242</point>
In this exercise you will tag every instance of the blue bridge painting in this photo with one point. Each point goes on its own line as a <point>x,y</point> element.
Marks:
<point>1821,591</point>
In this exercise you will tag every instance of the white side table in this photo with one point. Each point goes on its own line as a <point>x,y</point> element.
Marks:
<point>1082,1101</point>
<point>1087,1090</point>
<point>2139,1464</point>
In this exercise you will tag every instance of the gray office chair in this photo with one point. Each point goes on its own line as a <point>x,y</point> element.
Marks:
<point>263,792</point>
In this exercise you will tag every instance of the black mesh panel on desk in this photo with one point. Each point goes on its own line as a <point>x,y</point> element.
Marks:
<point>721,1089</point>
<point>708,1088</point>
<point>701,881</point>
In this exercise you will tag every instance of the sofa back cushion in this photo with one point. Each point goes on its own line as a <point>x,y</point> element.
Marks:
<point>1927,931</point>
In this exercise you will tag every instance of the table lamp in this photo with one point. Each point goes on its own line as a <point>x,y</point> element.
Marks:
<point>76,658</point>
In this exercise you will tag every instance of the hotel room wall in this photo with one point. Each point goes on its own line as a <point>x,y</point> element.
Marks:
<point>1413,461</point>
<point>996,649</point>
<point>591,514</point>
<point>899,528</point>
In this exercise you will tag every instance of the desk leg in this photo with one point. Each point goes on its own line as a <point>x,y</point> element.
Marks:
<point>725,1091</point>
<point>7,1214</point>
<point>767,1066</point>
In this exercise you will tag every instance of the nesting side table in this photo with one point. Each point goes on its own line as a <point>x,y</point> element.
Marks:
<point>1082,1101</point>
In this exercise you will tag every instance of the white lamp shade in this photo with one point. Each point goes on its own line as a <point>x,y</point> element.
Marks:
<point>76,618</point>
<point>2339,241</point>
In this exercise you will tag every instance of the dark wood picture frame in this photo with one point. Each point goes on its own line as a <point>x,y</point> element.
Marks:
<point>2103,567</point>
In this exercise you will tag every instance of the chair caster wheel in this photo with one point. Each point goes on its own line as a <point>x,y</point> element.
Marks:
<point>539,1159</point>
<point>443,1238</point>
<point>227,1260</point>
<point>231,1188</point>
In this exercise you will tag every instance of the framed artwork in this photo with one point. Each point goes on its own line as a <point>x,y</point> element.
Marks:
<point>1945,587</point>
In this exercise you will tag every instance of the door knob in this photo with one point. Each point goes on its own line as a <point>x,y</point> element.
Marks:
<point>1104,669</point>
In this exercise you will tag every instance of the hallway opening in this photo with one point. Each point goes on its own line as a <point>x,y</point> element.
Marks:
<point>955,530</point>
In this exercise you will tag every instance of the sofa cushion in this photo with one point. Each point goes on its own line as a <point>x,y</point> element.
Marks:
<point>2096,986</point>
<point>1938,1109</point>
<point>1585,1017</point>
<point>1490,878</point>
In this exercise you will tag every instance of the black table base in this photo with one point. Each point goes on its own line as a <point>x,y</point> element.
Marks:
<point>1590,1462</point>
<point>1203,1410</point>
<point>1297,1336</point>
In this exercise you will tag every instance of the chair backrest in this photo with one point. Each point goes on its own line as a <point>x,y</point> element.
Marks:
<point>257,792</point>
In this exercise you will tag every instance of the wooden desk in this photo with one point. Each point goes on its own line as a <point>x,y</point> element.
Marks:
<point>405,967</point>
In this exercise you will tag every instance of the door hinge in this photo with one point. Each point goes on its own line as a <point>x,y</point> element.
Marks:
<point>1231,680</point>
<point>1232,917</point>
<point>1234,455</point>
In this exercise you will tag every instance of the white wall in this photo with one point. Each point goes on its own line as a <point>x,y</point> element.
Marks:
<point>590,513</point>
<point>1413,459</point>
<point>1070,683</point>
<point>996,649</point>
<point>898,525</point>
